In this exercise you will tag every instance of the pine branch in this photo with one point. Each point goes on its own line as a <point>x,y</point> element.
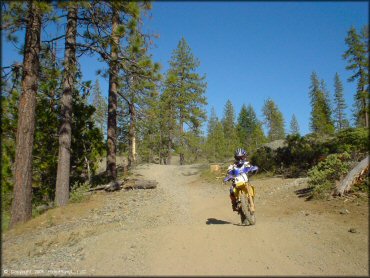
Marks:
<point>90,47</point>
<point>54,39</point>
<point>14,24</point>
<point>127,101</point>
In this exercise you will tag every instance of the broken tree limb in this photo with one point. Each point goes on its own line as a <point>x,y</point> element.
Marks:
<point>113,186</point>
<point>127,184</point>
<point>140,184</point>
<point>345,185</point>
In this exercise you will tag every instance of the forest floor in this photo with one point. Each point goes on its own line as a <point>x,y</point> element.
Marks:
<point>186,227</point>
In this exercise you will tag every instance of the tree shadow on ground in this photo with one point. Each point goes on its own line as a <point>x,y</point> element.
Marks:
<point>212,221</point>
<point>304,193</point>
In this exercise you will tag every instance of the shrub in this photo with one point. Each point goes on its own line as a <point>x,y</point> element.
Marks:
<point>352,140</point>
<point>300,154</point>
<point>325,173</point>
<point>264,158</point>
<point>78,192</point>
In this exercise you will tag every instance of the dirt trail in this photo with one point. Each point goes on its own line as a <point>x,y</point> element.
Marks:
<point>187,227</point>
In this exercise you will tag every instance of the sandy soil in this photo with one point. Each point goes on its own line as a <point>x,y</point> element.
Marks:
<point>186,227</point>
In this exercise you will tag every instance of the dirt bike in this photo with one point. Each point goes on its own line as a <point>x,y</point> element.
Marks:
<point>244,193</point>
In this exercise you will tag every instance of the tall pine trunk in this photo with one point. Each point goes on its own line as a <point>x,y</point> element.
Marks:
<point>182,155</point>
<point>363,113</point>
<point>21,210</point>
<point>65,131</point>
<point>132,136</point>
<point>169,148</point>
<point>365,107</point>
<point>112,101</point>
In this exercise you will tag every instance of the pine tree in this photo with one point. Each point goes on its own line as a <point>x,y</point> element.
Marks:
<point>358,62</point>
<point>149,131</point>
<point>212,122</point>
<point>86,142</point>
<point>111,21</point>
<point>339,111</point>
<point>14,14</point>
<point>168,124</point>
<point>112,97</point>
<point>243,126</point>
<point>321,114</point>
<point>258,138</point>
<point>215,148</point>
<point>186,88</point>
<point>100,104</point>
<point>140,81</point>
<point>229,128</point>
<point>48,118</point>
<point>294,127</point>
<point>249,128</point>
<point>65,131</point>
<point>123,126</point>
<point>328,105</point>
<point>9,117</point>
<point>210,149</point>
<point>273,120</point>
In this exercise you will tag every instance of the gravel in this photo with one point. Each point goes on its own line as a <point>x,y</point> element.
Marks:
<point>43,252</point>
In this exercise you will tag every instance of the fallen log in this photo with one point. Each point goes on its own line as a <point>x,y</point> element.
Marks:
<point>345,184</point>
<point>113,186</point>
<point>139,184</point>
<point>126,184</point>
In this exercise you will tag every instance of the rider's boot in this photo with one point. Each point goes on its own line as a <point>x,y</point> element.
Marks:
<point>233,202</point>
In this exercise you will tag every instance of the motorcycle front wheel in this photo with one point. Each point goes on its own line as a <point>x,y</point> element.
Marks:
<point>246,216</point>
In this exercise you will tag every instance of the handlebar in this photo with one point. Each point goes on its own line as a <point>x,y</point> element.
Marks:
<point>232,174</point>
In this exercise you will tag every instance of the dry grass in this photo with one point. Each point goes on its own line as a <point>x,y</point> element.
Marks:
<point>56,216</point>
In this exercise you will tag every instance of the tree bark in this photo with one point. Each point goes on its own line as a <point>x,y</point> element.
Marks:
<point>182,156</point>
<point>112,101</point>
<point>169,152</point>
<point>21,210</point>
<point>65,131</point>
<point>365,106</point>
<point>132,135</point>
<point>345,185</point>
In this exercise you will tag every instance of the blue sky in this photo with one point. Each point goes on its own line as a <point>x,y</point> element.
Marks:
<point>251,51</point>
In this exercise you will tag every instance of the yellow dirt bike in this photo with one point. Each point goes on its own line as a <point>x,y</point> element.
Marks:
<point>244,193</point>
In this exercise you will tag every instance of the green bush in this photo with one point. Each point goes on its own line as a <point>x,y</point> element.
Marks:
<point>352,140</point>
<point>5,220</point>
<point>264,158</point>
<point>78,192</point>
<point>301,153</point>
<point>322,177</point>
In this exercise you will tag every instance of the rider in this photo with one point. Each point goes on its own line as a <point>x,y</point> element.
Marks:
<point>240,156</point>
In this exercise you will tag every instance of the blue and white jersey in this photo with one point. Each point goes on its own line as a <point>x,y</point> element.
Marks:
<point>239,172</point>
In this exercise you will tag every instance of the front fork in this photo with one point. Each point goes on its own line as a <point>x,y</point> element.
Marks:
<point>249,196</point>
